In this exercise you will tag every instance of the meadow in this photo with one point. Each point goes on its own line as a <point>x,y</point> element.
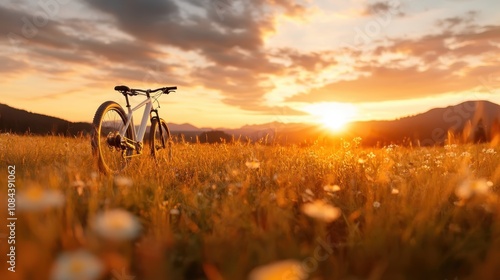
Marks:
<point>253,211</point>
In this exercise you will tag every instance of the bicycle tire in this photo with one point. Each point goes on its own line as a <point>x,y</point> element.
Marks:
<point>159,148</point>
<point>110,159</point>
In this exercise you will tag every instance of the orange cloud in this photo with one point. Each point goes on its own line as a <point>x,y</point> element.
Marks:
<point>429,75</point>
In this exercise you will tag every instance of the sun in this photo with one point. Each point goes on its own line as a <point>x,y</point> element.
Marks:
<point>333,116</point>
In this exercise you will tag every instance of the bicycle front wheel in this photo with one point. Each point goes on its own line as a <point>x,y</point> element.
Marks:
<point>160,140</point>
<point>109,119</point>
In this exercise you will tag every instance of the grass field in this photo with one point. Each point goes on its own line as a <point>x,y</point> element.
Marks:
<point>253,212</point>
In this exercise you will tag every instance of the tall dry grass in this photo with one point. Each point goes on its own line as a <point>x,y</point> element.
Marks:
<point>220,211</point>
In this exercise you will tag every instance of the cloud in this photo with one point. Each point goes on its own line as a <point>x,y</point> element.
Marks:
<point>383,7</point>
<point>228,34</point>
<point>466,20</point>
<point>449,62</point>
<point>11,66</point>
<point>308,61</point>
<point>242,88</point>
<point>51,96</point>
<point>385,83</point>
<point>476,42</point>
<point>128,43</point>
<point>20,31</point>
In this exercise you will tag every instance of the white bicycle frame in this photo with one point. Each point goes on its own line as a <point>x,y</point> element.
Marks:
<point>144,122</point>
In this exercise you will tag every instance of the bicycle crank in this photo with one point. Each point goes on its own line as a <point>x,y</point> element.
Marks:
<point>114,139</point>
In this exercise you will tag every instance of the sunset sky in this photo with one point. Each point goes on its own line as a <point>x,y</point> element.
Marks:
<point>249,62</point>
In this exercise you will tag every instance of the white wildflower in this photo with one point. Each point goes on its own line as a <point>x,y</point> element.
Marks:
<point>331,188</point>
<point>254,164</point>
<point>117,224</point>
<point>489,151</point>
<point>469,188</point>
<point>321,211</point>
<point>77,265</point>
<point>308,195</point>
<point>286,269</point>
<point>123,182</point>
<point>35,199</point>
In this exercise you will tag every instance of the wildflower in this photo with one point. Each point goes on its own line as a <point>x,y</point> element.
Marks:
<point>77,265</point>
<point>331,188</point>
<point>465,154</point>
<point>174,211</point>
<point>371,155</point>
<point>308,195</point>
<point>275,177</point>
<point>123,182</point>
<point>117,224</point>
<point>361,161</point>
<point>394,191</point>
<point>473,187</point>
<point>252,164</point>
<point>321,211</point>
<point>79,185</point>
<point>357,140</point>
<point>286,269</point>
<point>489,151</point>
<point>376,204</point>
<point>449,147</point>
<point>36,198</point>
<point>346,145</point>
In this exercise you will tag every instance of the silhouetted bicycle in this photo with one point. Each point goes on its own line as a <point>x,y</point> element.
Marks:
<point>114,137</point>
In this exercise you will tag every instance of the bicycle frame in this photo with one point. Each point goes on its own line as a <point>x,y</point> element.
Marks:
<point>139,137</point>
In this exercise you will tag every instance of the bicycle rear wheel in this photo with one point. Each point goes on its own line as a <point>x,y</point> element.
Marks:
<point>160,140</point>
<point>109,119</point>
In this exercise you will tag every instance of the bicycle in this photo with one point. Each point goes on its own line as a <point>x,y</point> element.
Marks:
<point>114,139</point>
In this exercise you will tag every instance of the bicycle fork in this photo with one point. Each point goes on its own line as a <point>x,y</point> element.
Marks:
<point>157,118</point>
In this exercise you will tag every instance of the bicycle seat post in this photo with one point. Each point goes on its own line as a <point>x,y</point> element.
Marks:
<point>126,98</point>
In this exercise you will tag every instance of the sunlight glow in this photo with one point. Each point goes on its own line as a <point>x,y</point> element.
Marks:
<point>333,116</point>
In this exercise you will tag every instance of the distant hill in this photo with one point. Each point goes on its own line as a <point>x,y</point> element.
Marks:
<point>21,121</point>
<point>464,120</point>
<point>427,128</point>
<point>185,127</point>
<point>432,126</point>
<point>214,136</point>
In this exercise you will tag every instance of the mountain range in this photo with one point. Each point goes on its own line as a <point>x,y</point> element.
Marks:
<point>428,128</point>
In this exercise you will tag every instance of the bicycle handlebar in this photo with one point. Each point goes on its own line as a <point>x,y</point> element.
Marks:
<point>129,91</point>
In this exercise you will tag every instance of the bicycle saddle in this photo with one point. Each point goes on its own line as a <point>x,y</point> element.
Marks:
<point>122,88</point>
